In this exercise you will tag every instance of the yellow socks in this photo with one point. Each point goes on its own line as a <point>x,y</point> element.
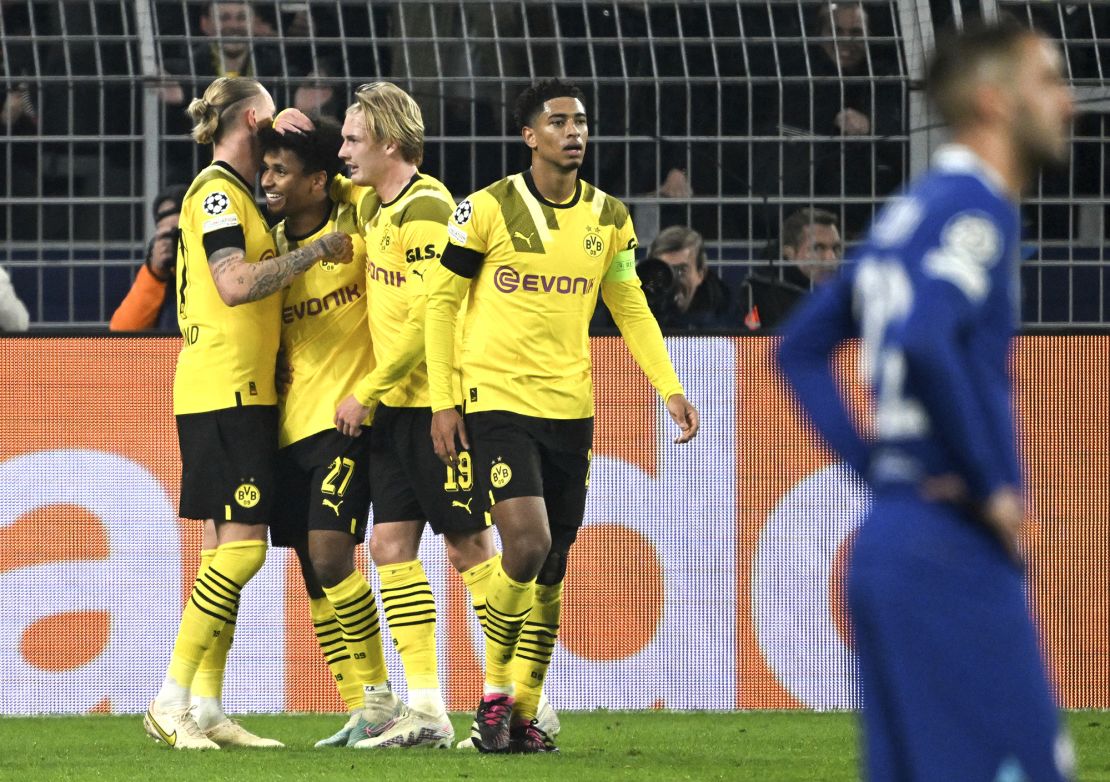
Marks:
<point>508,603</point>
<point>357,614</point>
<point>330,636</point>
<point>477,583</point>
<point>213,604</point>
<point>209,679</point>
<point>410,612</point>
<point>533,652</point>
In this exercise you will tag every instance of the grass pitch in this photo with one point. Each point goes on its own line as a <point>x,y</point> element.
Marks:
<point>643,746</point>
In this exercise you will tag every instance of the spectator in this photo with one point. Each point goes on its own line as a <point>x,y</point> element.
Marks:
<point>319,94</point>
<point>836,95</point>
<point>230,52</point>
<point>150,302</point>
<point>310,35</point>
<point>19,101</point>
<point>810,242</point>
<point>701,298</point>
<point>13,313</point>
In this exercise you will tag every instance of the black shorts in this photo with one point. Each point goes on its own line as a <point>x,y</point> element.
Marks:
<point>524,456</point>
<point>411,483</point>
<point>323,484</point>
<point>227,464</point>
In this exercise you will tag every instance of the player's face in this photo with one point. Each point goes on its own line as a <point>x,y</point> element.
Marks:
<point>1046,107</point>
<point>364,157</point>
<point>559,133</point>
<point>819,252</point>
<point>289,190</point>
<point>687,275</point>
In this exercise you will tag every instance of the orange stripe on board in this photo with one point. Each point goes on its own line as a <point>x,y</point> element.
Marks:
<point>625,406</point>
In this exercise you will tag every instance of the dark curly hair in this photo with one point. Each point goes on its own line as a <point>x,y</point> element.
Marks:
<point>529,104</point>
<point>317,150</point>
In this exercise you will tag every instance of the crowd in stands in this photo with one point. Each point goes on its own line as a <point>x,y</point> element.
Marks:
<point>825,98</point>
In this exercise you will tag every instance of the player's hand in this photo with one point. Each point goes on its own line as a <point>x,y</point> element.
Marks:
<point>349,416</point>
<point>446,425</point>
<point>292,121</point>
<point>283,373</point>
<point>1004,513</point>
<point>948,488</point>
<point>685,415</point>
<point>336,247</point>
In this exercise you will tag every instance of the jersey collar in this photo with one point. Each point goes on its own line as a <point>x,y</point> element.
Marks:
<point>531,183</point>
<point>328,216</point>
<point>405,189</point>
<point>958,159</point>
<point>239,177</point>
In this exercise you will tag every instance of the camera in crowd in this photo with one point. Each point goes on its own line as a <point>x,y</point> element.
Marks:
<point>658,283</point>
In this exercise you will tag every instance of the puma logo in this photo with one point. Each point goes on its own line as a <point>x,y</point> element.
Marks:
<point>418,274</point>
<point>334,506</point>
<point>465,506</point>
<point>528,238</point>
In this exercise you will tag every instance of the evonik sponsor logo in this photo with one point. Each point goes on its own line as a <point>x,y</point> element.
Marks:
<point>384,276</point>
<point>508,280</point>
<point>315,306</point>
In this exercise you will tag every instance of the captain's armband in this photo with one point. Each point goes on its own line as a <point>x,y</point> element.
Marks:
<point>622,268</point>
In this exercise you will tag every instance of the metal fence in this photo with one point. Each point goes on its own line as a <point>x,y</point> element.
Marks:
<point>724,116</point>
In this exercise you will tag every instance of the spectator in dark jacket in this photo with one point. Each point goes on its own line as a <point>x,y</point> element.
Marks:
<point>810,243</point>
<point>701,298</point>
<point>225,51</point>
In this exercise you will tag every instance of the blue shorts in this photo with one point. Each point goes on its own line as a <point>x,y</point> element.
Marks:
<point>954,686</point>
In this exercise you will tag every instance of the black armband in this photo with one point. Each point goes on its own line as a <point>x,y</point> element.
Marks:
<point>462,261</point>
<point>222,238</point>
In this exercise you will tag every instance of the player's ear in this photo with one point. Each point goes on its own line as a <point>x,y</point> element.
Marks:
<point>994,102</point>
<point>529,137</point>
<point>787,252</point>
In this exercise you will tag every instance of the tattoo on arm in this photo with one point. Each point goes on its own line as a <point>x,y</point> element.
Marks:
<point>275,273</point>
<point>255,281</point>
<point>223,263</point>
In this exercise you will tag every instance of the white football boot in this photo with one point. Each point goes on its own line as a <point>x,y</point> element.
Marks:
<point>413,729</point>
<point>176,729</point>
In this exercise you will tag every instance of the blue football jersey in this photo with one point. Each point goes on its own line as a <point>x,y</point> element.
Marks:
<point>932,293</point>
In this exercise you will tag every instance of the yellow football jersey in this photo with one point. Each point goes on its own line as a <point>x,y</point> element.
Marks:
<point>535,269</point>
<point>228,353</point>
<point>403,237</point>
<point>323,331</point>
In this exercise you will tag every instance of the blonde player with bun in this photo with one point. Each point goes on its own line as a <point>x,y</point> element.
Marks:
<point>228,287</point>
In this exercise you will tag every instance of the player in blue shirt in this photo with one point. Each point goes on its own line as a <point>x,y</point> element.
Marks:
<point>954,687</point>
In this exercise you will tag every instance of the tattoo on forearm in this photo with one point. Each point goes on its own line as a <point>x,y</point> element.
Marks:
<point>265,277</point>
<point>275,273</point>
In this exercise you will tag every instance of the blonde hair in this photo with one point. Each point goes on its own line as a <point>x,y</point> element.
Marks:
<point>222,104</point>
<point>391,116</point>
